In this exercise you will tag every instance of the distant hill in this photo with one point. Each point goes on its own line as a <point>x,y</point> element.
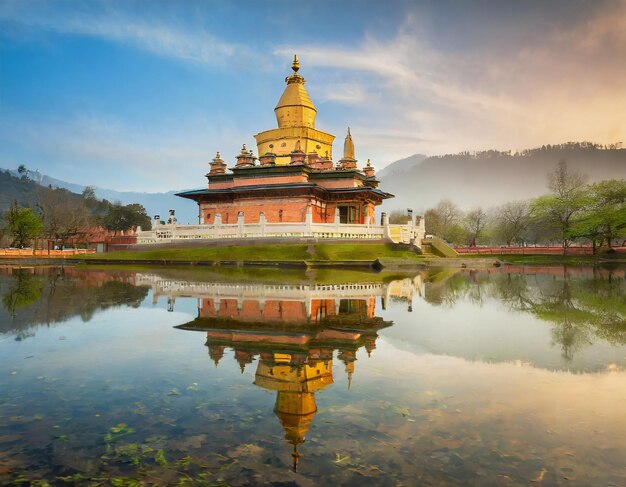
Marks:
<point>22,190</point>
<point>402,165</point>
<point>491,178</point>
<point>154,203</point>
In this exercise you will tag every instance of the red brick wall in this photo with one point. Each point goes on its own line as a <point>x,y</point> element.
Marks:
<point>221,184</point>
<point>293,210</point>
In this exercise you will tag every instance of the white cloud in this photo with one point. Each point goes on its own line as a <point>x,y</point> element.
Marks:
<point>160,38</point>
<point>407,94</point>
<point>111,153</point>
<point>346,93</point>
<point>565,85</point>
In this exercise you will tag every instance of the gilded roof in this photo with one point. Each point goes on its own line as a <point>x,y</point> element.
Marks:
<point>295,94</point>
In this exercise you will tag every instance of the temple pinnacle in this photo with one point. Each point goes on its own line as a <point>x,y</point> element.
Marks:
<point>296,64</point>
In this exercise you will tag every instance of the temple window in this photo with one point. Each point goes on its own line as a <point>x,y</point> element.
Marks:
<point>347,214</point>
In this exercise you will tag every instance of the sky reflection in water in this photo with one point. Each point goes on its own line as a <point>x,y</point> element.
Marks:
<point>454,377</point>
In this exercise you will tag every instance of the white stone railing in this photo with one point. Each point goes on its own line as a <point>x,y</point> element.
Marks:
<point>403,289</point>
<point>408,233</point>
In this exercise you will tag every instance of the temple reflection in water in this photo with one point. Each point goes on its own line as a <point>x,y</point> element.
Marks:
<point>293,332</point>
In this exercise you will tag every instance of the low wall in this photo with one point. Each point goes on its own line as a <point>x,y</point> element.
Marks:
<point>408,233</point>
<point>44,253</point>
<point>578,250</point>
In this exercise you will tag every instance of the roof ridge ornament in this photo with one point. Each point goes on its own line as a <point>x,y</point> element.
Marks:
<point>296,64</point>
<point>295,77</point>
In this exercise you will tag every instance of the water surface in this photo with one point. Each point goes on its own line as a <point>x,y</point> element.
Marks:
<point>233,377</point>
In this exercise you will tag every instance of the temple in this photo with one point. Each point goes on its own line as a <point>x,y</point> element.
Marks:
<point>292,189</point>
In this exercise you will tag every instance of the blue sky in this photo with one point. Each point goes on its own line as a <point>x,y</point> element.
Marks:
<point>140,95</point>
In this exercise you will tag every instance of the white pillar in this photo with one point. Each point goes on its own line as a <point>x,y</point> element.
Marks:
<point>217,224</point>
<point>308,221</point>
<point>240,224</point>
<point>262,222</point>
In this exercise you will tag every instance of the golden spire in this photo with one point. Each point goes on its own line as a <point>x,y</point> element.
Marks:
<point>348,148</point>
<point>296,64</point>
<point>295,108</point>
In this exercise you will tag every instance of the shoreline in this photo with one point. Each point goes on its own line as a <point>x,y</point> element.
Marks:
<point>371,265</point>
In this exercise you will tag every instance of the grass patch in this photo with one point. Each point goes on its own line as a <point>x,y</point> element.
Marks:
<point>290,252</point>
<point>362,251</point>
<point>266,253</point>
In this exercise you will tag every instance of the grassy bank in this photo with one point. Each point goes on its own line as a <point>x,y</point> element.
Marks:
<point>266,253</point>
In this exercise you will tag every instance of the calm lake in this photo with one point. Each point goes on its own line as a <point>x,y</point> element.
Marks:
<point>508,376</point>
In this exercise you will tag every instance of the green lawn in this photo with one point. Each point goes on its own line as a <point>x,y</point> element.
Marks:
<point>361,251</point>
<point>266,253</point>
<point>294,252</point>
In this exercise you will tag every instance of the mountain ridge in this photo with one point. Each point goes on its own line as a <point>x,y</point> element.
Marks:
<point>486,178</point>
<point>154,203</point>
<point>491,178</point>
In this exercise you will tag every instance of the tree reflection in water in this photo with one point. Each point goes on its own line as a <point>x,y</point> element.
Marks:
<point>583,304</point>
<point>36,296</point>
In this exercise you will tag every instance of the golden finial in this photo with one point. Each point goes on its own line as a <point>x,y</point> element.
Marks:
<point>296,64</point>
<point>217,155</point>
<point>369,164</point>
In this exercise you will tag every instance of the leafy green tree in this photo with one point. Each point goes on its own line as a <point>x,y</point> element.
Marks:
<point>23,224</point>
<point>124,217</point>
<point>605,218</point>
<point>567,200</point>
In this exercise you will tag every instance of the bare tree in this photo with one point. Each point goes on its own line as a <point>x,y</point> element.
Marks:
<point>563,183</point>
<point>511,221</point>
<point>64,215</point>
<point>474,223</point>
<point>444,220</point>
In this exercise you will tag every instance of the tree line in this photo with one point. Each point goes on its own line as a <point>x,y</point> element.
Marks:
<point>586,145</point>
<point>571,212</point>
<point>60,215</point>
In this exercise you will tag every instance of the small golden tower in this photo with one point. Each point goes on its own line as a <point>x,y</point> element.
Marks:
<point>348,161</point>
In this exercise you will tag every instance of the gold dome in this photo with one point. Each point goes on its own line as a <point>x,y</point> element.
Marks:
<point>295,115</point>
<point>295,107</point>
